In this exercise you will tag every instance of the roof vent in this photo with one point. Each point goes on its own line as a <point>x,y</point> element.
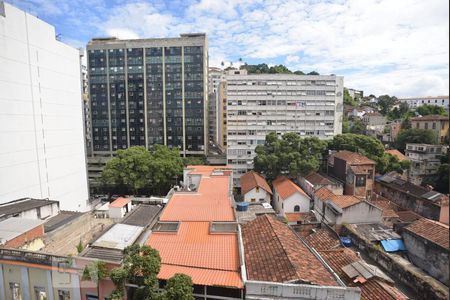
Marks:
<point>166,227</point>
<point>223,227</point>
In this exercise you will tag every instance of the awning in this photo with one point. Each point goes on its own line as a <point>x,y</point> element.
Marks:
<point>393,245</point>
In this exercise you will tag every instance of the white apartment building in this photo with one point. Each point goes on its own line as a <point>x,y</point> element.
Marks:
<point>41,119</point>
<point>415,102</point>
<point>310,105</point>
<point>425,160</point>
<point>215,76</point>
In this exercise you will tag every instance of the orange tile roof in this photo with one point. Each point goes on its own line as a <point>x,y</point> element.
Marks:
<point>430,230</point>
<point>120,202</point>
<point>194,246</point>
<point>274,253</point>
<point>209,258</point>
<point>353,158</point>
<point>319,179</point>
<point>343,201</point>
<point>250,180</point>
<point>203,276</point>
<point>398,154</point>
<point>285,187</point>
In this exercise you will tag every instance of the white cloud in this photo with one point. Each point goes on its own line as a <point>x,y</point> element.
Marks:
<point>292,59</point>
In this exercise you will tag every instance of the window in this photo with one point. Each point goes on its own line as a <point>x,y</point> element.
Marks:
<point>253,200</point>
<point>257,189</point>
<point>40,293</point>
<point>297,208</point>
<point>360,180</point>
<point>16,293</point>
<point>426,125</point>
<point>434,125</point>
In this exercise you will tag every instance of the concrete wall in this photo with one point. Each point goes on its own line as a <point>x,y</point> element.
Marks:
<point>443,216</point>
<point>287,205</point>
<point>253,194</point>
<point>430,257</point>
<point>43,151</point>
<point>361,213</point>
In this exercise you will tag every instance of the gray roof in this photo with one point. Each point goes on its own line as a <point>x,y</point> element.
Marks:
<point>119,237</point>
<point>143,215</point>
<point>104,254</point>
<point>13,227</point>
<point>376,232</point>
<point>18,206</point>
<point>60,219</point>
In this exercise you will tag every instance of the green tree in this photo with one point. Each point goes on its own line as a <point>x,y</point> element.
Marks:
<point>345,125</point>
<point>385,103</point>
<point>179,287</point>
<point>130,168</point>
<point>119,277</point>
<point>80,247</point>
<point>358,127</point>
<point>166,166</point>
<point>390,162</point>
<point>431,110</point>
<point>194,160</point>
<point>289,155</point>
<point>415,135</point>
<point>348,99</point>
<point>299,72</point>
<point>313,73</point>
<point>95,271</point>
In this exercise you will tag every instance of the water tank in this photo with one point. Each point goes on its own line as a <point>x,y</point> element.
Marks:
<point>347,242</point>
<point>242,206</point>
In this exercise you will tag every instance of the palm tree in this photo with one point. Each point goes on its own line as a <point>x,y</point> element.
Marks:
<point>95,271</point>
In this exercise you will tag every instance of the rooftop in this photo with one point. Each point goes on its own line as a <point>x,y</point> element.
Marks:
<point>300,217</point>
<point>398,154</point>
<point>143,215</point>
<point>60,219</point>
<point>342,201</point>
<point>119,236</point>
<point>250,180</point>
<point>408,216</point>
<point>430,230</point>
<point>353,158</point>
<point>274,253</point>
<point>320,179</point>
<point>13,227</point>
<point>286,188</point>
<point>375,232</point>
<point>120,202</point>
<point>209,257</point>
<point>254,209</point>
<point>430,118</point>
<point>20,205</point>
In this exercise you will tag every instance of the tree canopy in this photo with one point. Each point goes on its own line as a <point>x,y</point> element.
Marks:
<point>137,168</point>
<point>431,110</point>
<point>415,135</point>
<point>179,287</point>
<point>277,69</point>
<point>385,103</point>
<point>348,99</point>
<point>288,155</point>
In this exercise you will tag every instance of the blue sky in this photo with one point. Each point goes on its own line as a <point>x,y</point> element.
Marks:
<point>391,47</point>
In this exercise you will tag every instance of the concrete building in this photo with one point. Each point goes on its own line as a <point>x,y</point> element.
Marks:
<point>374,119</point>
<point>254,188</point>
<point>41,123</point>
<point>354,170</point>
<point>415,102</point>
<point>314,181</point>
<point>259,104</point>
<point>215,76</point>
<point>409,196</point>
<point>289,197</point>
<point>119,208</point>
<point>390,132</point>
<point>427,243</point>
<point>355,94</point>
<point>149,91</point>
<point>29,208</point>
<point>438,124</point>
<point>425,160</point>
<point>338,209</point>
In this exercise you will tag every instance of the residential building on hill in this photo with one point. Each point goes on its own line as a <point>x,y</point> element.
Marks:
<point>354,170</point>
<point>41,123</point>
<point>415,102</point>
<point>261,103</point>
<point>425,160</point>
<point>149,91</point>
<point>374,119</point>
<point>314,181</point>
<point>254,188</point>
<point>438,124</point>
<point>289,198</point>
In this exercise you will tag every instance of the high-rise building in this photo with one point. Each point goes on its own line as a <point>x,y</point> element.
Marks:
<point>149,91</point>
<point>215,75</point>
<point>41,119</point>
<point>310,105</point>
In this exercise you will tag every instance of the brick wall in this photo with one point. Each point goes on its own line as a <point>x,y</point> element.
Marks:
<point>22,239</point>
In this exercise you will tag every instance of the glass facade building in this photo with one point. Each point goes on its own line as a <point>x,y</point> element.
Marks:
<point>149,91</point>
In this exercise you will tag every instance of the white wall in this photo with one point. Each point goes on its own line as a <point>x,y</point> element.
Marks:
<point>287,205</point>
<point>41,118</point>
<point>253,194</point>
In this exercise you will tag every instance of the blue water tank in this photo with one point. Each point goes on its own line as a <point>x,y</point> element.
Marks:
<point>242,206</point>
<point>347,242</point>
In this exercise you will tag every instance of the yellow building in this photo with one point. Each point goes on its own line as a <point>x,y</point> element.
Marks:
<point>438,124</point>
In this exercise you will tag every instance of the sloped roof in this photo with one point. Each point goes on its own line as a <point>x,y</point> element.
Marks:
<point>120,202</point>
<point>430,118</point>
<point>430,230</point>
<point>343,201</point>
<point>285,187</point>
<point>323,239</point>
<point>353,158</point>
<point>274,253</point>
<point>408,216</point>
<point>250,180</point>
<point>398,154</point>
<point>318,179</point>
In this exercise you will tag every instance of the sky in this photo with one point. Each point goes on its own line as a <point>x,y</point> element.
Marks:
<point>395,47</point>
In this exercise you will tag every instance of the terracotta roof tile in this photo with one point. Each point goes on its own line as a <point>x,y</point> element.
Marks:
<point>285,187</point>
<point>298,216</point>
<point>353,158</point>
<point>360,169</point>
<point>250,180</point>
<point>324,193</point>
<point>430,230</point>
<point>408,216</point>
<point>323,239</point>
<point>343,201</point>
<point>120,202</point>
<point>398,154</point>
<point>318,179</point>
<point>274,253</point>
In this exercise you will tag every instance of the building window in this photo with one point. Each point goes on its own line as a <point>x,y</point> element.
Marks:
<point>253,200</point>
<point>297,208</point>
<point>40,293</point>
<point>360,181</point>
<point>426,125</point>
<point>63,295</point>
<point>434,125</point>
<point>16,293</point>
<point>257,189</point>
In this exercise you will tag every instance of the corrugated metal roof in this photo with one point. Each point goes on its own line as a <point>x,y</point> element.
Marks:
<point>13,227</point>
